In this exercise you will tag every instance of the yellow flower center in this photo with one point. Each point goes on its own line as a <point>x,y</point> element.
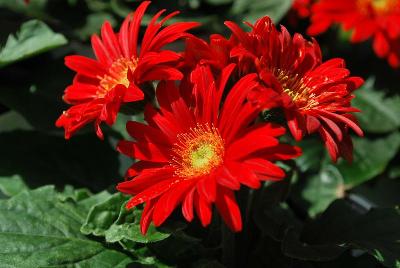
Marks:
<point>296,88</point>
<point>379,6</point>
<point>198,151</point>
<point>117,75</point>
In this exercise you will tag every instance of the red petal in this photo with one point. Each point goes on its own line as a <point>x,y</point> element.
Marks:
<point>345,120</point>
<point>145,180</point>
<point>187,206</point>
<point>330,144</point>
<point>152,192</point>
<point>147,214</point>
<point>312,124</point>
<point>346,148</point>
<point>203,209</point>
<point>100,51</point>
<point>243,175</point>
<point>134,27</point>
<point>334,127</point>
<point>133,93</point>
<point>139,167</point>
<point>169,201</point>
<point>294,123</point>
<point>381,45</point>
<point>144,151</point>
<point>123,36</point>
<point>249,144</point>
<point>265,168</point>
<point>170,34</point>
<point>85,66</point>
<point>225,178</point>
<point>79,93</point>
<point>238,32</point>
<point>229,209</point>
<point>110,41</point>
<point>146,133</point>
<point>207,187</point>
<point>280,152</point>
<point>161,72</point>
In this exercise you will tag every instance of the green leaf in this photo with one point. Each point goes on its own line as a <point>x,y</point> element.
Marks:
<point>320,190</point>
<point>253,10</point>
<point>83,197</point>
<point>312,155</point>
<point>379,113</point>
<point>13,185</point>
<point>33,38</point>
<point>102,215</point>
<point>218,2</point>
<point>36,8</point>
<point>371,158</point>
<point>75,194</point>
<point>37,230</point>
<point>112,220</point>
<point>145,258</point>
<point>93,24</point>
<point>12,120</point>
<point>122,230</point>
<point>394,172</point>
<point>341,226</point>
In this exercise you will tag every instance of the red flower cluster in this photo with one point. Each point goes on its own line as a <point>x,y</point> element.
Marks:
<point>198,151</point>
<point>314,95</point>
<point>377,19</point>
<point>101,86</point>
<point>204,138</point>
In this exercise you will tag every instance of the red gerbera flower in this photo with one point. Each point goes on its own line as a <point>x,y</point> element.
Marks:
<point>101,86</point>
<point>377,19</point>
<point>315,95</point>
<point>215,54</point>
<point>199,153</point>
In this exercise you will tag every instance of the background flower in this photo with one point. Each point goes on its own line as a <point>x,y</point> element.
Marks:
<point>315,96</point>
<point>366,19</point>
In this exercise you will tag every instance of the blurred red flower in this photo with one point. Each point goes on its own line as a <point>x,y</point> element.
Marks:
<point>377,19</point>
<point>101,86</point>
<point>302,8</point>
<point>196,152</point>
<point>315,96</point>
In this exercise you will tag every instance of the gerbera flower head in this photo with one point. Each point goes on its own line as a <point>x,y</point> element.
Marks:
<point>101,85</point>
<point>315,95</point>
<point>197,153</point>
<point>377,19</point>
